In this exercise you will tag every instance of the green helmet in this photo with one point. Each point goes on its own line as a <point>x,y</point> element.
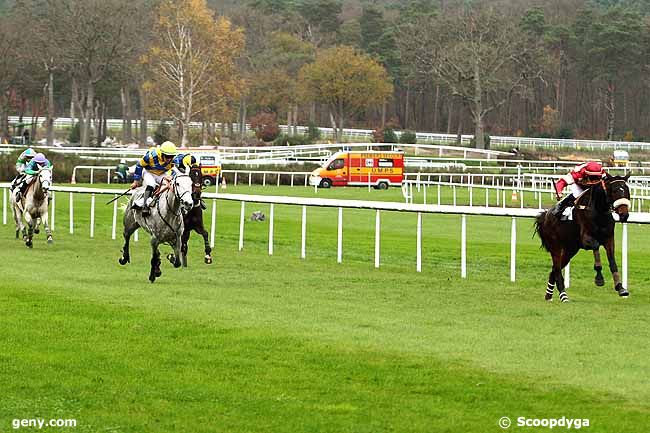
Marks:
<point>29,153</point>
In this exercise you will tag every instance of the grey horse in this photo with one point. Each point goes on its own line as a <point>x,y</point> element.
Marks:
<point>33,207</point>
<point>164,224</point>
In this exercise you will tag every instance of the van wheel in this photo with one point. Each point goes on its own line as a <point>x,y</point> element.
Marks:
<point>208,181</point>
<point>382,185</point>
<point>325,183</point>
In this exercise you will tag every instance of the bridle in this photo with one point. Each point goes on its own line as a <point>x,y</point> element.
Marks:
<point>178,196</point>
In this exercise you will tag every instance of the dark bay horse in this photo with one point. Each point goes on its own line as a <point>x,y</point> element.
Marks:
<point>591,227</point>
<point>193,220</point>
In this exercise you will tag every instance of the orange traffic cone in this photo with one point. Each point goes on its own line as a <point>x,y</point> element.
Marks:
<point>514,195</point>
<point>223,182</point>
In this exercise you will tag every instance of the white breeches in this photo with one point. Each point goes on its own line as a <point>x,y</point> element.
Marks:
<point>152,180</point>
<point>576,190</point>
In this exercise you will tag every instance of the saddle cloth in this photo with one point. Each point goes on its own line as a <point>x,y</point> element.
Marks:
<point>567,215</point>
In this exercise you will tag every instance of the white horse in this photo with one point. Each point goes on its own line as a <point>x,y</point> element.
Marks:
<point>33,207</point>
<point>164,224</point>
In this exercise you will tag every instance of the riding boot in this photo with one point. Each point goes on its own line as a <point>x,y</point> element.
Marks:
<point>567,201</point>
<point>203,205</point>
<point>146,210</point>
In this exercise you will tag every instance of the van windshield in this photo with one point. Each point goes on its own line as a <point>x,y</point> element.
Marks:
<point>336,164</point>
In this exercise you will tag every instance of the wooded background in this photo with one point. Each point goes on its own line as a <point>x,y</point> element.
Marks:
<point>560,68</point>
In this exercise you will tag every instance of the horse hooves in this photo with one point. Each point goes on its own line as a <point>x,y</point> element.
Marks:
<point>157,273</point>
<point>152,277</point>
<point>123,260</point>
<point>17,234</point>
<point>50,241</point>
<point>171,258</point>
<point>37,231</point>
<point>208,260</point>
<point>600,281</point>
<point>622,291</point>
<point>29,244</point>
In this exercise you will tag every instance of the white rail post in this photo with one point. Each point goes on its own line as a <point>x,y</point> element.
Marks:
<point>463,246</point>
<point>278,179</point>
<point>241,225</point>
<point>213,222</point>
<point>471,196</point>
<point>136,237</point>
<point>250,175</point>
<point>303,240</point>
<point>339,238</point>
<point>71,215</point>
<point>291,179</point>
<point>454,188</point>
<point>271,230</point>
<point>92,175</point>
<point>235,181</point>
<point>377,238</point>
<point>4,206</point>
<point>487,198</point>
<point>53,211</point>
<point>438,194</point>
<point>92,215</point>
<point>513,249</point>
<point>114,228</point>
<point>624,255</point>
<point>425,193</point>
<point>418,266</point>
<point>306,179</point>
<point>264,179</point>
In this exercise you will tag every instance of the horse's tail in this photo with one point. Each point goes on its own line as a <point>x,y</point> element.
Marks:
<point>540,229</point>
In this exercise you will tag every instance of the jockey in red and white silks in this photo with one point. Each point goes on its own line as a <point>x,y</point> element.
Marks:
<point>589,172</point>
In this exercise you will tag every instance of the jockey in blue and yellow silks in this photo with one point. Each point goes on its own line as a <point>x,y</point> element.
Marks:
<point>151,168</point>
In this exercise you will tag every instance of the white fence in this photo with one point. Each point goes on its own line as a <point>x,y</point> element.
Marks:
<point>519,142</point>
<point>378,207</point>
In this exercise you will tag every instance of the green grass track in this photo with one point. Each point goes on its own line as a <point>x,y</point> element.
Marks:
<point>259,343</point>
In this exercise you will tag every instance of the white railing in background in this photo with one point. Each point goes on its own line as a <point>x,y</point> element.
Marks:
<point>378,207</point>
<point>495,140</point>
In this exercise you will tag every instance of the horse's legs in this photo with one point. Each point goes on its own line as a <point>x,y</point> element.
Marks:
<point>37,226</point>
<point>206,243</point>
<point>550,285</point>
<point>45,217</point>
<point>184,239</point>
<point>178,250</point>
<point>613,267</point>
<point>20,227</point>
<point>130,226</point>
<point>598,267</point>
<point>30,229</point>
<point>559,262</point>
<point>155,260</point>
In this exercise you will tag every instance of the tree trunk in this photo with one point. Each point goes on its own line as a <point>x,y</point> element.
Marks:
<point>407,105</point>
<point>312,112</point>
<point>478,108</point>
<point>49,122</point>
<point>143,115</point>
<point>459,130</point>
<point>289,120</point>
<point>4,117</point>
<point>242,119</point>
<point>610,107</point>
<point>436,100</point>
<point>90,99</point>
<point>295,119</point>
<point>383,115</point>
<point>450,114</point>
<point>74,100</point>
<point>127,133</point>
